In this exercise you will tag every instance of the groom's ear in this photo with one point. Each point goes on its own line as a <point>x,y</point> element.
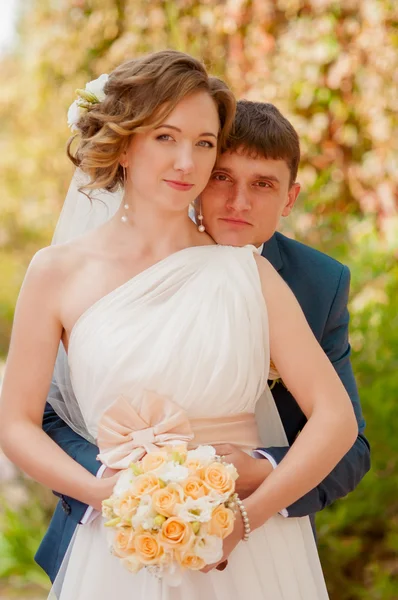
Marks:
<point>292,196</point>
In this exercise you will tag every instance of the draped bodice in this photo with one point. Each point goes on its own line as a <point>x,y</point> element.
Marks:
<point>192,327</point>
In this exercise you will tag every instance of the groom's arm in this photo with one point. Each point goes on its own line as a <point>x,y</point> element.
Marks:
<point>75,446</point>
<point>72,443</point>
<point>356,463</point>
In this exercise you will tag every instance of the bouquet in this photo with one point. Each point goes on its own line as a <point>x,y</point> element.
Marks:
<point>171,510</point>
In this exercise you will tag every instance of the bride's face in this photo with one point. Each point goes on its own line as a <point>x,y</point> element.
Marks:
<point>171,165</point>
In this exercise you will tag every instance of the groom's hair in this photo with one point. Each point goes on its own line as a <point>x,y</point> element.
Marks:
<point>260,130</point>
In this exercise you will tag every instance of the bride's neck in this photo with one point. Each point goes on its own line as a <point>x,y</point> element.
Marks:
<point>154,231</point>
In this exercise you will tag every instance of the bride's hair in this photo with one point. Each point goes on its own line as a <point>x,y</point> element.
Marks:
<point>140,94</point>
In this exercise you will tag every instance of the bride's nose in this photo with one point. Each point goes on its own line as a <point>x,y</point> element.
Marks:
<point>184,159</point>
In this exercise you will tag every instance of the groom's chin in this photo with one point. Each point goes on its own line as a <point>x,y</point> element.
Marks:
<point>230,238</point>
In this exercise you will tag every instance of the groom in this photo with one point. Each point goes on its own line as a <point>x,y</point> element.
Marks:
<point>252,186</point>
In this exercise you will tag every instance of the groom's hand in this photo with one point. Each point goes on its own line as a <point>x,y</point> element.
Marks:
<point>252,471</point>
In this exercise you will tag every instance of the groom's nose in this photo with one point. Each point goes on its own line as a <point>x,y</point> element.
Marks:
<point>237,199</point>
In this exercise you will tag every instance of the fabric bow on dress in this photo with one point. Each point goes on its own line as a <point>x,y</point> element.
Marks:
<point>125,436</point>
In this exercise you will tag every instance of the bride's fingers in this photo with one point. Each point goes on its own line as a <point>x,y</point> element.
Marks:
<point>108,484</point>
<point>218,566</point>
<point>111,480</point>
<point>110,472</point>
<point>208,568</point>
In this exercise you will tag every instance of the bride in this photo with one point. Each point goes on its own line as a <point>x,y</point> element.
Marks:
<point>147,302</point>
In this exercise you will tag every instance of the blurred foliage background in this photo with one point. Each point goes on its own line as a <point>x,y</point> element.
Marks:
<point>331,66</point>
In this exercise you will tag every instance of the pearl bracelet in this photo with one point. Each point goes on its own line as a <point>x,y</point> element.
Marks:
<point>245,518</point>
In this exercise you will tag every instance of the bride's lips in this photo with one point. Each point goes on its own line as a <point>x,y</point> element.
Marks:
<point>179,185</point>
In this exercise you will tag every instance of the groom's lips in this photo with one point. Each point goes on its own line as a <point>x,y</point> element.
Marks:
<point>234,222</point>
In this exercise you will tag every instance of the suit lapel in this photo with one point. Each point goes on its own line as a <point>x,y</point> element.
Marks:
<point>272,253</point>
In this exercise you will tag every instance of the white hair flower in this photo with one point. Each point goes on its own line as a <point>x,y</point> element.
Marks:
<point>92,94</point>
<point>74,113</point>
<point>96,87</point>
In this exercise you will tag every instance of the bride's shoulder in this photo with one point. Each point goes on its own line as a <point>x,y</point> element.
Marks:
<point>54,264</point>
<point>263,265</point>
<point>270,279</point>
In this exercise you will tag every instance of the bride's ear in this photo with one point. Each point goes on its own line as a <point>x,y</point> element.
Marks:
<point>123,160</point>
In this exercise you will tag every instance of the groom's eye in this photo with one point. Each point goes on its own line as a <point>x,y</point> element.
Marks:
<point>220,177</point>
<point>263,184</point>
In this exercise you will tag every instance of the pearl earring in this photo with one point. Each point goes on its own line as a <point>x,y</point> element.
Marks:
<point>124,218</point>
<point>201,227</point>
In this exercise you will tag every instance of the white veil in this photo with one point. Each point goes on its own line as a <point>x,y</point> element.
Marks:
<point>79,215</point>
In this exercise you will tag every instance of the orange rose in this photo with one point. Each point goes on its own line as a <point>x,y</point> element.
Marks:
<point>175,533</point>
<point>123,544</point>
<point>194,487</point>
<point>145,484</point>
<point>222,522</point>
<point>189,560</point>
<point>153,460</point>
<point>164,501</point>
<point>217,478</point>
<point>148,548</point>
<point>125,507</point>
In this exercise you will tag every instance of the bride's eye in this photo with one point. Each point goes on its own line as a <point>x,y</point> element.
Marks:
<point>205,144</point>
<point>165,137</point>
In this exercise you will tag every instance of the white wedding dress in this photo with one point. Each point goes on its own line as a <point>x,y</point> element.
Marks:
<point>192,328</point>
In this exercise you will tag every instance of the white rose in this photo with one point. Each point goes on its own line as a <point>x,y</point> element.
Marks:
<point>96,86</point>
<point>132,563</point>
<point>216,498</point>
<point>74,113</point>
<point>209,548</point>
<point>172,472</point>
<point>231,469</point>
<point>148,523</point>
<point>145,514</point>
<point>192,510</point>
<point>124,482</point>
<point>205,454</point>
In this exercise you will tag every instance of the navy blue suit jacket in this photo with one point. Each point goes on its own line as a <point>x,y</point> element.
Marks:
<point>321,285</point>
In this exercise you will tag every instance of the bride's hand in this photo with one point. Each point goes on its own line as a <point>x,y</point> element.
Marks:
<point>103,488</point>
<point>230,544</point>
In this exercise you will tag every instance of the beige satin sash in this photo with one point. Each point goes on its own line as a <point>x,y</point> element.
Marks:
<point>239,430</point>
<point>125,436</point>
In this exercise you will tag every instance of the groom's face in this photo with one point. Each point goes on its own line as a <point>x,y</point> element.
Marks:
<point>246,197</point>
